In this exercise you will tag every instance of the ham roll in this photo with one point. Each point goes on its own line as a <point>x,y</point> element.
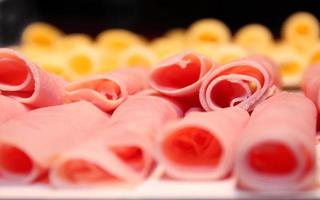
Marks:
<point>110,90</point>
<point>24,81</point>
<point>311,84</point>
<point>10,108</point>
<point>181,75</point>
<point>29,143</point>
<point>123,151</point>
<point>242,83</point>
<point>277,149</point>
<point>202,145</point>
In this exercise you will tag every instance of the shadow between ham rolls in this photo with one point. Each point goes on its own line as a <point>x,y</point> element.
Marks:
<point>30,142</point>
<point>122,153</point>
<point>242,83</point>
<point>277,149</point>
<point>27,83</point>
<point>202,145</point>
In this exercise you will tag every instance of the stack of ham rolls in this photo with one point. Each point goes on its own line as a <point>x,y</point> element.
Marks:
<point>186,119</point>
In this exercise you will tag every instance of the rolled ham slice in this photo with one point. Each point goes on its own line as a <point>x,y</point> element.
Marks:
<point>109,90</point>
<point>202,145</point>
<point>181,75</point>
<point>29,143</point>
<point>277,150</point>
<point>311,84</point>
<point>123,151</point>
<point>25,82</point>
<point>242,83</point>
<point>10,108</point>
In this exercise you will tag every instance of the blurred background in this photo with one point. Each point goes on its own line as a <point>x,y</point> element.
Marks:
<point>149,18</point>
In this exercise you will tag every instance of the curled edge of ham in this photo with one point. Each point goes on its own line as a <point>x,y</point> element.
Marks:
<point>11,108</point>
<point>311,84</point>
<point>216,129</point>
<point>110,90</point>
<point>289,120</point>
<point>101,161</point>
<point>180,75</point>
<point>36,88</point>
<point>40,144</point>
<point>248,99</point>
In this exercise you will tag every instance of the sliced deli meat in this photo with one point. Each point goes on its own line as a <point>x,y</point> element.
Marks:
<point>27,83</point>
<point>31,142</point>
<point>123,151</point>
<point>276,152</point>
<point>10,108</point>
<point>242,83</point>
<point>110,90</point>
<point>181,75</point>
<point>311,84</point>
<point>201,146</point>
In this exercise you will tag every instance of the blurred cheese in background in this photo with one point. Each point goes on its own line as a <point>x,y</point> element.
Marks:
<point>166,46</point>
<point>118,39</point>
<point>137,56</point>
<point>81,61</point>
<point>74,56</point>
<point>209,31</point>
<point>301,30</point>
<point>71,41</point>
<point>291,63</point>
<point>254,37</point>
<point>229,52</point>
<point>41,35</point>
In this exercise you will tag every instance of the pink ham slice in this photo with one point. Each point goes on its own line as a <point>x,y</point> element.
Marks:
<point>24,81</point>
<point>30,142</point>
<point>311,84</point>
<point>202,145</point>
<point>181,75</point>
<point>10,108</point>
<point>242,83</point>
<point>276,152</point>
<point>123,151</point>
<point>110,90</point>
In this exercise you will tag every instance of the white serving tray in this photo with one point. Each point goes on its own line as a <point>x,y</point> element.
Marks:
<point>152,189</point>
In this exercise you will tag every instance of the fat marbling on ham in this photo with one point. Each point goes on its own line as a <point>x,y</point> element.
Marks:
<point>123,151</point>
<point>110,90</point>
<point>202,145</point>
<point>242,83</point>
<point>277,149</point>
<point>29,143</point>
<point>27,83</point>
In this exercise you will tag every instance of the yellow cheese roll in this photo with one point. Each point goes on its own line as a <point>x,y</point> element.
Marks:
<point>71,41</point>
<point>177,33</point>
<point>118,39</point>
<point>292,65</point>
<point>206,49</point>
<point>165,47</point>
<point>81,61</point>
<point>208,31</point>
<point>139,56</point>
<point>229,52</point>
<point>313,55</point>
<point>301,30</point>
<point>41,35</point>
<point>108,59</point>
<point>255,37</point>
